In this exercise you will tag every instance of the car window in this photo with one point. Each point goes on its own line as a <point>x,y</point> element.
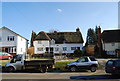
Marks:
<point>83,59</point>
<point>92,59</point>
<point>117,63</point>
<point>0,53</point>
<point>110,63</point>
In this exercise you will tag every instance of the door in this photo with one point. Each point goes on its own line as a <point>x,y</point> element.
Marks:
<point>109,66</point>
<point>83,63</point>
<point>17,62</point>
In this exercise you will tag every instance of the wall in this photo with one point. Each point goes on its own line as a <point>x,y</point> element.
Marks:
<point>110,47</point>
<point>21,45</point>
<point>4,42</point>
<point>60,46</point>
<point>41,44</point>
<point>45,44</point>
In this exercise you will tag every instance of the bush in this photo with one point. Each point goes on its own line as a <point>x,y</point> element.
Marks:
<point>77,53</point>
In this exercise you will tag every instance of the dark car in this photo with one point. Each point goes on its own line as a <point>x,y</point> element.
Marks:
<point>113,67</point>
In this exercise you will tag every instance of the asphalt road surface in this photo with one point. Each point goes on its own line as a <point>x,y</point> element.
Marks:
<point>81,75</point>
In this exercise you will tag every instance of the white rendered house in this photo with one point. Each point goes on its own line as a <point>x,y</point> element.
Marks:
<point>111,41</point>
<point>12,42</point>
<point>58,42</point>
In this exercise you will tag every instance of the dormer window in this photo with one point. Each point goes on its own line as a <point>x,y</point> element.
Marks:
<point>52,42</point>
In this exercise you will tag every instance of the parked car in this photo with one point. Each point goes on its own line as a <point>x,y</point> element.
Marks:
<point>4,55</point>
<point>113,67</point>
<point>83,63</point>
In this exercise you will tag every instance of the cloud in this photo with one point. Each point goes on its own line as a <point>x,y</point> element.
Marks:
<point>59,10</point>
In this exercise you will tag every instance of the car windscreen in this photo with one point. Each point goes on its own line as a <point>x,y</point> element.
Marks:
<point>109,63</point>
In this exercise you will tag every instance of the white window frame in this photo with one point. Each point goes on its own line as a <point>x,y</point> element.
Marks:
<point>39,42</point>
<point>64,48</point>
<point>40,49</point>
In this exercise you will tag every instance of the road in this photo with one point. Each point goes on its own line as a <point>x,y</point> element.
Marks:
<point>83,75</point>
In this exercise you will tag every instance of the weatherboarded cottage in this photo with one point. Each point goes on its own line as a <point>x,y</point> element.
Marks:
<point>58,42</point>
<point>11,42</point>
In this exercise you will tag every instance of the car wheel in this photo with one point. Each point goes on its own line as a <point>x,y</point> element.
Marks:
<point>43,69</point>
<point>10,69</point>
<point>9,58</point>
<point>73,69</point>
<point>93,69</point>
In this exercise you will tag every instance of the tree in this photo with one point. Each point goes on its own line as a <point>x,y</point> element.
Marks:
<point>96,32</point>
<point>33,36</point>
<point>91,37</point>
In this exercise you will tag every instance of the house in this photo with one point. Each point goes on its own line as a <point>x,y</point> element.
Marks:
<point>12,42</point>
<point>111,41</point>
<point>58,42</point>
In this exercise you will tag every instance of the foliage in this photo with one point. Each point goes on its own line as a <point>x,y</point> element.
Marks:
<point>91,36</point>
<point>78,53</point>
<point>33,36</point>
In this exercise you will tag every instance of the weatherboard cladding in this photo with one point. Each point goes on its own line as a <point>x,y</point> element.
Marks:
<point>61,37</point>
<point>111,36</point>
<point>13,32</point>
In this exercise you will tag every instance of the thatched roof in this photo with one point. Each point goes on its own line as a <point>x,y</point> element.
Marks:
<point>42,36</point>
<point>111,35</point>
<point>61,37</point>
<point>66,37</point>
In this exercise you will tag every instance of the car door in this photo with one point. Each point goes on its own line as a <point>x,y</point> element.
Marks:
<point>83,63</point>
<point>17,62</point>
<point>4,56</point>
<point>117,65</point>
<point>109,66</point>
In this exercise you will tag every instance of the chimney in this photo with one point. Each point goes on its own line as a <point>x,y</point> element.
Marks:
<point>77,30</point>
<point>99,41</point>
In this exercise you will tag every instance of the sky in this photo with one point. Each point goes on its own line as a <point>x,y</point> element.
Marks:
<point>23,17</point>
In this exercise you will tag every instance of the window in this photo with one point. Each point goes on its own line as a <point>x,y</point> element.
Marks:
<point>73,48</point>
<point>113,44</point>
<point>92,59</point>
<point>47,49</point>
<point>10,38</point>
<point>117,63</point>
<point>56,49</point>
<point>39,42</point>
<point>64,48</point>
<point>21,49</point>
<point>110,63</point>
<point>40,49</point>
<point>83,59</point>
<point>78,48</point>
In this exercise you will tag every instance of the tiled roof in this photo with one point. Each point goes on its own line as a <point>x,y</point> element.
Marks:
<point>111,35</point>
